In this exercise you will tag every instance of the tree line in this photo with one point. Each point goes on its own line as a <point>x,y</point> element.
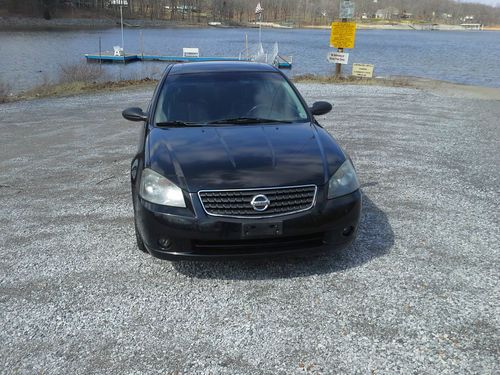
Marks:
<point>243,11</point>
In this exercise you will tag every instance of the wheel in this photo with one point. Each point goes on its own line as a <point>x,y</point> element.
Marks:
<point>138,238</point>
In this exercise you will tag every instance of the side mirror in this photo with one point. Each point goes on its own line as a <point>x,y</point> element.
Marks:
<point>320,108</point>
<point>135,114</point>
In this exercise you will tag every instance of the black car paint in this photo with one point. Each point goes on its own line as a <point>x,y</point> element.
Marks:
<point>328,217</point>
<point>234,157</point>
<point>239,157</point>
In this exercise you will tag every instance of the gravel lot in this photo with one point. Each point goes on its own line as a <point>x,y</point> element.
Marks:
<point>417,292</point>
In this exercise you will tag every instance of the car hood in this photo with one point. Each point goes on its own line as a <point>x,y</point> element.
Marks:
<point>249,156</point>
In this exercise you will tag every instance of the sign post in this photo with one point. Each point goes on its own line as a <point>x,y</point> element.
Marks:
<point>343,33</point>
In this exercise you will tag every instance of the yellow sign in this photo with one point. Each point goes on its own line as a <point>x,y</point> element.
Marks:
<point>362,70</point>
<point>343,34</point>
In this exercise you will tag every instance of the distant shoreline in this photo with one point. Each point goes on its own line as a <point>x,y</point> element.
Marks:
<point>17,23</point>
<point>410,27</point>
<point>40,24</point>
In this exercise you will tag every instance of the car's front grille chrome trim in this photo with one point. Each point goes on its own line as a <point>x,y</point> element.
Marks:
<point>235,203</point>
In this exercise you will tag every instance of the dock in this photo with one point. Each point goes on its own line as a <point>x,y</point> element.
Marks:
<point>282,62</point>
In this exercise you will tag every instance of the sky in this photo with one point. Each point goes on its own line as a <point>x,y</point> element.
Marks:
<point>488,2</point>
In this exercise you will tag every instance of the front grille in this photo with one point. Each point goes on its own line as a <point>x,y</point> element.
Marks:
<point>236,203</point>
<point>264,245</point>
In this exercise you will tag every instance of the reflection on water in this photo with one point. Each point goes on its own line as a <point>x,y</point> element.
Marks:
<point>30,58</point>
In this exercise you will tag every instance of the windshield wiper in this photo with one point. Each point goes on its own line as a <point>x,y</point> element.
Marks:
<point>176,124</point>
<point>248,120</point>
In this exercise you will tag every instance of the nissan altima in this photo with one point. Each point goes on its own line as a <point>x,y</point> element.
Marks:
<point>232,162</point>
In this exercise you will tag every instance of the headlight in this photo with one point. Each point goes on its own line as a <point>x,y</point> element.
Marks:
<point>157,189</point>
<point>343,182</point>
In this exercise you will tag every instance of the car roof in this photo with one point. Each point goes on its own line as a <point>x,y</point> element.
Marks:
<point>221,66</point>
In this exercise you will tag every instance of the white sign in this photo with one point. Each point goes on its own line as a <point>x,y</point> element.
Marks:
<point>190,52</point>
<point>338,57</point>
<point>346,9</point>
<point>363,70</point>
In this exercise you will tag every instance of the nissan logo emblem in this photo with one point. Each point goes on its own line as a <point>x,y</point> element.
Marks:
<point>260,202</point>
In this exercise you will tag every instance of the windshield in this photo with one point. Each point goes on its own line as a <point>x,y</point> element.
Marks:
<point>228,97</point>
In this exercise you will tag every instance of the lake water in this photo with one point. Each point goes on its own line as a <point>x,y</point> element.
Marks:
<point>30,58</point>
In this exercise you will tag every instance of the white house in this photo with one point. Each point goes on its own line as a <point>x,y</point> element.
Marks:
<point>387,13</point>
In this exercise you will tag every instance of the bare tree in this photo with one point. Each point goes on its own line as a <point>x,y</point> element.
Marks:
<point>242,11</point>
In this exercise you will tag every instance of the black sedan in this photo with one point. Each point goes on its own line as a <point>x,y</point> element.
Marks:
<point>232,162</point>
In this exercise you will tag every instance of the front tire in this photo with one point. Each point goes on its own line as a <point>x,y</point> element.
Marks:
<point>138,238</point>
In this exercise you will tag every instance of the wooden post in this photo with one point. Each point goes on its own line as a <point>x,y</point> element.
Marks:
<point>100,54</point>
<point>142,46</point>
<point>338,67</point>
<point>246,47</point>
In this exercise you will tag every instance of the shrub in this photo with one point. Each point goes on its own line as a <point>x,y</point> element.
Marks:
<point>4,92</point>
<point>80,72</point>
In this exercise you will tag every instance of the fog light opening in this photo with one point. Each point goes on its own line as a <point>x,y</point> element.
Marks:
<point>348,231</point>
<point>164,243</point>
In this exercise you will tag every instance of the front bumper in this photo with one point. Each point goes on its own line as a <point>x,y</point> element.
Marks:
<point>191,233</point>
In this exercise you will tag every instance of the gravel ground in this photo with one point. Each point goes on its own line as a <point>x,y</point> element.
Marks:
<point>416,293</point>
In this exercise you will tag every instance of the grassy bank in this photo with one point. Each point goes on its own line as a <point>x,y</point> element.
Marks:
<point>74,79</point>
<point>437,87</point>
<point>351,80</point>
<point>82,79</point>
<point>81,85</point>
<point>4,92</point>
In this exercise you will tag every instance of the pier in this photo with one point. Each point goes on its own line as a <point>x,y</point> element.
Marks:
<point>282,62</point>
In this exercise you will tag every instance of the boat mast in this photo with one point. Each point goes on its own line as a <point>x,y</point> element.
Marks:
<point>260,28</point>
